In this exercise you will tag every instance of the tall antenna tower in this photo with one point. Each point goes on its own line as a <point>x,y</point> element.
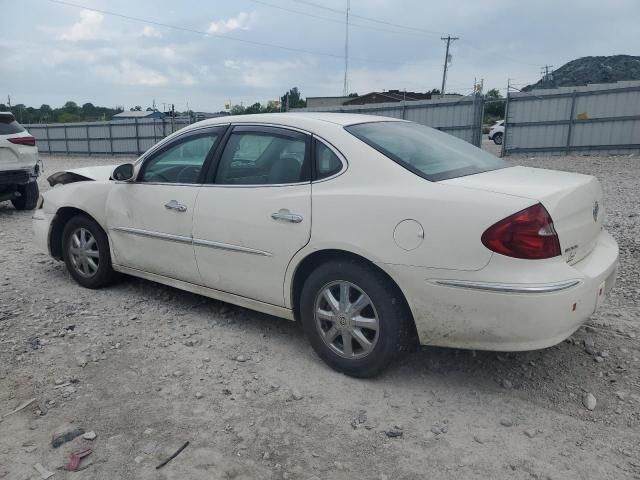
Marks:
<point>345,88</point>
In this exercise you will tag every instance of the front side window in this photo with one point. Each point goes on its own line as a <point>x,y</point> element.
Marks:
<point>264,158</point>
<point>181,162</point>
<point>427,152</point>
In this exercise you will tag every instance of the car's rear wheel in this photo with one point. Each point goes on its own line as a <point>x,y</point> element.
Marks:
<point>86,252</point>
<point>28,198</point>
<point>497,138</point>
<point>353,316</point>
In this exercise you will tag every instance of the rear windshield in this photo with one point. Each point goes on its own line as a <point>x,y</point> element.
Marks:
<point>427,152</point>
<point>8,126</point>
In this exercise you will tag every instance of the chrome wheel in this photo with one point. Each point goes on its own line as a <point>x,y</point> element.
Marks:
<point>83,252</point>
<point>346,319</point>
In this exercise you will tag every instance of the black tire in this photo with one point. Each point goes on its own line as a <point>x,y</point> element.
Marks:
<point>394,319</point>
<point>104,273</point>
<point>497,138</point>
<point>28,198</point>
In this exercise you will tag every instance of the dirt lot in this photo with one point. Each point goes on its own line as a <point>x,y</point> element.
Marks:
<point>149,368</point>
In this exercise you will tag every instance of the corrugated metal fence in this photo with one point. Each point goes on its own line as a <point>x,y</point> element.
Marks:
<point>461,117</point>
<point>131,137</point>
<point>602,118</point>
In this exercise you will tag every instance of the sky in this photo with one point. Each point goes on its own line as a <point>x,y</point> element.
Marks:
<point>204,54</point>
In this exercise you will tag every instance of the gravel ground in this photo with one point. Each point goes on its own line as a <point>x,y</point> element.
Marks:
<point>148,368</point>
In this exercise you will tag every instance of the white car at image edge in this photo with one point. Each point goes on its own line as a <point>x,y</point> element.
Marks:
<point>19,164</point>
<point>371,231</point>
<point>496,132</point>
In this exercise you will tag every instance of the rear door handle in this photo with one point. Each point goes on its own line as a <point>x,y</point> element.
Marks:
<point>174,205</point>
<point>286,216</point>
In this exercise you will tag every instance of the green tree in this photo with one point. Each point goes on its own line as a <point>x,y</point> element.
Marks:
<point>292,99</point>
<point>494,107</point>
<point>237,110</point>
<point>70,107</point>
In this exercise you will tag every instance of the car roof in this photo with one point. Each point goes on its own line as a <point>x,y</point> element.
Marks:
<point>298,119</point>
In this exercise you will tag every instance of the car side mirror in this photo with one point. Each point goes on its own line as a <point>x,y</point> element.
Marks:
<point>123,173</point>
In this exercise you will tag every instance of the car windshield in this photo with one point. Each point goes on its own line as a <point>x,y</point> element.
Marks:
<point>427,152</point>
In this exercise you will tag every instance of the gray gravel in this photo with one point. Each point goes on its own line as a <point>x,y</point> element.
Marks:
<point>147,368</point>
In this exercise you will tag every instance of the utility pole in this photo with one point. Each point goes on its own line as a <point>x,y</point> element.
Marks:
<point>345,88</point>
<point>449,39</point>
<point>546,74</point>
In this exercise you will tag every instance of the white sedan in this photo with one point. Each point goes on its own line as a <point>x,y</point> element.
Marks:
<point>371,231</point>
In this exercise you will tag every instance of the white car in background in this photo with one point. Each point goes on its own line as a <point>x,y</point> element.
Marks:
<point>371,231</point>
<point>19,164</point>
<point>496,132</point>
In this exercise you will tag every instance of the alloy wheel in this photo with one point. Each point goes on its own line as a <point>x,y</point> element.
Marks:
<point>84,253</point>
<point>346,319</point>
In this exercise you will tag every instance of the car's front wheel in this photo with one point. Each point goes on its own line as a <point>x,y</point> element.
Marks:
<point>86,252</point>
<point>497,138</point>
<point>354,317</point>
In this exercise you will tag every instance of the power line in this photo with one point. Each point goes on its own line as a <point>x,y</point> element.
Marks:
<point>225,37</point>
<point>327,19</point>
<point>369,19</point>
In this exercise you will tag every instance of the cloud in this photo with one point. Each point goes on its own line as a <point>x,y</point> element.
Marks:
<point>130,73</point>
<point>240,22</point>
<point>151,32</point>
<point>87,28</point>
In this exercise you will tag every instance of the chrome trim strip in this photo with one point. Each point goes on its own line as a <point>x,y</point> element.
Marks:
<point>194,241</point>
<point>158,235</point>
<point>509,288</point>
<point>226,246</point>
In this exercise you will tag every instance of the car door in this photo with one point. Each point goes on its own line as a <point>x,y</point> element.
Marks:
<point>254,212</point>
<point>150,220</point>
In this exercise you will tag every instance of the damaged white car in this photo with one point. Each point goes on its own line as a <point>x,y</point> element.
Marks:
<point>373,232</point>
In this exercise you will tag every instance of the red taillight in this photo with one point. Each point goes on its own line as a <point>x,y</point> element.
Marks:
<point>29,141</point>
<point>528,234</point>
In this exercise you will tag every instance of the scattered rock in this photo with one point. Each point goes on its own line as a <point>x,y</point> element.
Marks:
<point>478,439</point>
<point>394,433</point>
<point>505,422</point>
<point>65,434</point>
<point>531,432</point>
<point>296,395</point>
<point>90,435</point>
<point>81,361</point>
<point>241,358</point>
<point>199,395</point>
<point>506,383</point>
<point>589,401</point>
<point>178,373</point>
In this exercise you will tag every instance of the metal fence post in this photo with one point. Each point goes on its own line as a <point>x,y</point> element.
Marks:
<point>135,121</point>
<point>66,140</point>
<point>164,127</point>
<point>46,132</point>
<point>88,139</point>
<point>570,127</point>
<point>110,139</point>
<point>503,150</point>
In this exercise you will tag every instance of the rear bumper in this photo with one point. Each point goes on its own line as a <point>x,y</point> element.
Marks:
<point>520,313</point>
<point>16,177</point>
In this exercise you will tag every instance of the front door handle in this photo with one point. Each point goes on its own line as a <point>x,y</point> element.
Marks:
<point>285,215</point>
<point>174,205</point>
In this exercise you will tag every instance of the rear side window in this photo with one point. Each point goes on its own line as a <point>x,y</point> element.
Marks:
<point>327,162</point>
<point>264,156</point>
<point>9,126</point>
<point>427,152</point>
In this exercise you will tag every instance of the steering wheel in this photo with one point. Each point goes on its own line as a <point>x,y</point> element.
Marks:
<point>188,174</point>
<point>156,177</point>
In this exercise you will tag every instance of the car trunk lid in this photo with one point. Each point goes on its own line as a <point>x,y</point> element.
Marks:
<point>573,200</point>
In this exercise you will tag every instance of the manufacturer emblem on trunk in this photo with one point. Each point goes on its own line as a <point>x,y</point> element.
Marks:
<point>596,208</point>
